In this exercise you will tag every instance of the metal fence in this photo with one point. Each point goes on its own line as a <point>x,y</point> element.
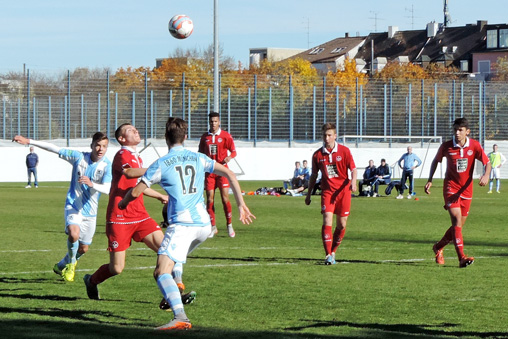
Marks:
<point>253,108</point>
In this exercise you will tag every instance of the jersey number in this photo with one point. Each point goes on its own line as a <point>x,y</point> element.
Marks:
<point>189,171</point>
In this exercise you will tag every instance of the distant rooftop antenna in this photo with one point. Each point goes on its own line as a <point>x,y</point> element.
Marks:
<point>447,17</point>
<point>308,33</point>
<point>375,19</point>
<point>412,11</point>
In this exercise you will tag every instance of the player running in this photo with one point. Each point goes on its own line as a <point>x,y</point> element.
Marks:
<point>333,161</point>
<point>181,173</point>
<point>91,176</point>
<point>215,144</point>
<point>460,153</point>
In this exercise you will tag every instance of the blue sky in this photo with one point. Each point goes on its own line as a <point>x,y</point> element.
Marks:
<point>61,35</point>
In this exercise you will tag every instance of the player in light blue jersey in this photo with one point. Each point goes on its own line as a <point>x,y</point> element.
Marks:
<point>181,173</point>
<point>91,176</point>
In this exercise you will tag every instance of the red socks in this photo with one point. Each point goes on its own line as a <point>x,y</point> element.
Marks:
<point>228,212</point>
<point>101,274</point>
<point>326,236</point>
<point>211,211</point>
<point>337,238</point>
<point>458,241</point>
<point>453,234</point>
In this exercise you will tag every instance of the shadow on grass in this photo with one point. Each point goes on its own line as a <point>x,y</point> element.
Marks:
<point>20,329</point>
<point>399,330</point>
<point>320,262</point>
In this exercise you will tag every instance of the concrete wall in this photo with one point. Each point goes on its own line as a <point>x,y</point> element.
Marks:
<point>257,163</point>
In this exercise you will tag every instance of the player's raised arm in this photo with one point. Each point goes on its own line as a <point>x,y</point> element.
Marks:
<point>245,214</point>
<point>41,144</point>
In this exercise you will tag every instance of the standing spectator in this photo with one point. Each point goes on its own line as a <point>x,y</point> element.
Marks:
<point>409,160</point>
<point>32,160</point>
<point>460,153</point>
<point>496,158</point>
<point>189,224</point>
<point>369,176</point>
<point>215,144</point>
<point>383,176</point>
<point>91,176</point>
<point>333,161</point>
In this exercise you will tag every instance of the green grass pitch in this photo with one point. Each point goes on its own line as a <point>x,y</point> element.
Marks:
<point>269,281</point>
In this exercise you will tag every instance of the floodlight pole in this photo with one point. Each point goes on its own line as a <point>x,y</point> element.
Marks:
<point>216,89</point>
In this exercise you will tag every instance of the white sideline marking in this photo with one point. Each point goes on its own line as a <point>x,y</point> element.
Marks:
<point>152,267</point>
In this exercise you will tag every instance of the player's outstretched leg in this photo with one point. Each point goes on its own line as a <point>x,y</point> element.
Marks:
<point>171,293</point>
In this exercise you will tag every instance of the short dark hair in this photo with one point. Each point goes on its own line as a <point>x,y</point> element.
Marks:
<point>461,122</point>
<point>118,132</point>
<point>176,129</point>
<point>213,115</point>
<point>99,136</point>
<point>327,126</point>
<point>383,160</point>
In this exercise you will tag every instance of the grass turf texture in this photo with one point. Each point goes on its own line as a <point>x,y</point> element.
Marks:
<point>269,281</point>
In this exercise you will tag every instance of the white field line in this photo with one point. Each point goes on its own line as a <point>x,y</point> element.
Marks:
<point>244,265</point>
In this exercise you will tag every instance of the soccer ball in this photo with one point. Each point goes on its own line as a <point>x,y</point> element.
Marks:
<point>180,26</point>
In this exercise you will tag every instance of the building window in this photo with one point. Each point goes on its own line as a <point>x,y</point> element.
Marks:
<point>317,50</point>
<point>492,38</point>
<point>464,65</point>
<point>484,66</point>
<point>338,50</point>
<point>503,38</point>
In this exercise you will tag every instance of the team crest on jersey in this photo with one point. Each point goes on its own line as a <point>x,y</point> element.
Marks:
<point>338,158</point>
<point>470,152</point>
<point>219,140</point>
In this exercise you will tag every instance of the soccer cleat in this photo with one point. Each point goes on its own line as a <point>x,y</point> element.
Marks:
<point>489,192</point>
<point>69,271</point>
<point>91,289</point>
<point>439,255</point>
<point>28,186</point>
<point>400,196</point>
<point>188,298</point>
<point>330,259</point>
<point>498,191</point>
<point>375,195</point>
<point>57,270</point>
<point>38,187</point>
<point>409,196</point>
<point>231,231</point>
<point>214,231</point>
<point>465,261</point>
<point>176,325</point>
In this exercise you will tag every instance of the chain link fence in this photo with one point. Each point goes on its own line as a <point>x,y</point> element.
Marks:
<point>253,108</point>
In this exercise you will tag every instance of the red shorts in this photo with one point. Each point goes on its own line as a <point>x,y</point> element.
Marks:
<point>213,181</point>
<point>337,202</point>
<point>455,201</point>
<point>120,235</point>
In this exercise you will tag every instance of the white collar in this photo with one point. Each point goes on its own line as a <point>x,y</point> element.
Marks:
<point>216,133</point>
<point>455,144</point>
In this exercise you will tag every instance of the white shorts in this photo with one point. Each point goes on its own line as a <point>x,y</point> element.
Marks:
<point>495,173</point>
<point>179,241</point>
<point>86,224</point>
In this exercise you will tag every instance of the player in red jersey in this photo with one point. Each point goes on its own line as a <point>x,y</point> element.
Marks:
<point>460,153</point>
<point>334,161</point>
<point>132,223</point>
<point>216,143</point>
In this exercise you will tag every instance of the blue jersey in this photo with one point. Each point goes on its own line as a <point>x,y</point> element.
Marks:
<point>81,197</point>
<point>182,175</point>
